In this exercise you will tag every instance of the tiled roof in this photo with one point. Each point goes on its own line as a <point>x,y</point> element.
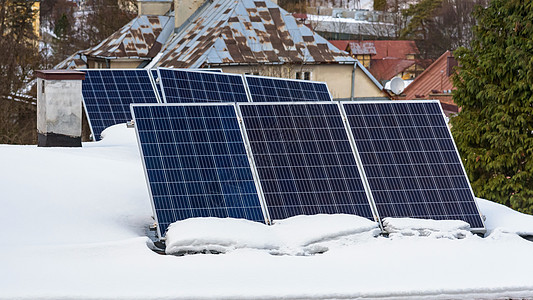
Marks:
<point>398,49</point>
<point>233,32</point>
<point>382,48</point>
<point>362,48</point>
<point>340,44</point>
<point>75,61</point>
<point>434,80</point>
<point>300,16</point>
<point>142,37</point>
<point>387,68</point>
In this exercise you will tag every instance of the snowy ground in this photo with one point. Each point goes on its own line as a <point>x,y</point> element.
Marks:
<point>74,222</point>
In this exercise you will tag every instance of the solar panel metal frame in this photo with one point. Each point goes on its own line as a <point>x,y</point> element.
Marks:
<point>164,97</point>
<point>156,85</point>
<point>246,76</point>
<point>110,70</point>
<point>359,165</point>
<point>362,172</point>
<point>475,230</point>
<point>255,176</point>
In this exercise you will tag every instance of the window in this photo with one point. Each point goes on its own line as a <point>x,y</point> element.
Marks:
<point>303,75</point>
<point>364,59</point>
<point>100,64</point>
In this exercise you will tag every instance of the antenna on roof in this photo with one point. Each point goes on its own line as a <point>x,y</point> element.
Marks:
<point>397,85</point>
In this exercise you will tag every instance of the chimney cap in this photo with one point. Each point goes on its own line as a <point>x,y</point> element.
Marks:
<point>60,74</point>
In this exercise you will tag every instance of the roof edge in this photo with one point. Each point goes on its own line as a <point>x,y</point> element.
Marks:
<point>365,70</point>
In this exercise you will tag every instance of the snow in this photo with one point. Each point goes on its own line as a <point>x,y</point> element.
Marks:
<point>332,19</point>
<point>300,235</point>
<point>451,229</point>
<point>502,218</point>
<point>74,225</point>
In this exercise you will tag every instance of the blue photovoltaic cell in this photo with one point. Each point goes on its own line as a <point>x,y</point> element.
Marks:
<point>410,161</point>
<point>181,86</point>
<point>155,76</point>
<point>107,95</point>
<point>196,163</point>
<point>304,160</point>
<point>264,89</point>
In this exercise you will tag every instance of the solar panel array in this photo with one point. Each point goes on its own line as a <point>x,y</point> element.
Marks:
<point>268,89</point>
<point>108,93</point>
<point>410,161</point>
<point>304,160</point>
<point>181,86</point>
<point>303,154</point>
<point>196,163</point>
<point>376,160</point>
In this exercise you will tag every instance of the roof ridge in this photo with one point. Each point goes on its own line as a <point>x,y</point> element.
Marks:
<point>184,31</point>
<point>205,56</point>
<point>129,25</point>
<point>247,32</point>
<point>134,39</point>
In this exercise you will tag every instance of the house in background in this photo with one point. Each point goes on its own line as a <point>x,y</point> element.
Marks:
<point>135,44</point>
<point>435,83</point>
<point>336,23</point>
<point>237,36</point>
<point>76,61</point>
<point>385,59</point>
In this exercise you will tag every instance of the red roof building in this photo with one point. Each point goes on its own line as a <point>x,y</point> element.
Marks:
<point>388,68</point>
<point>395,49</point>
<point>435,83</point>
<point>340,44</point>
<point>385,59</point>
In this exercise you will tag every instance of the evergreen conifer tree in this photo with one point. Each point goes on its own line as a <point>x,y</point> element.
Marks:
<point>61,27</point>
<point>494,130</point>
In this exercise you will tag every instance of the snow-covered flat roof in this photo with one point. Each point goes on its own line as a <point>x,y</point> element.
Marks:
<point>74,225</point>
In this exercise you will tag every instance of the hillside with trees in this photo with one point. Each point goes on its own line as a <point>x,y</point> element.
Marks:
<point>65,27</point>
<point>20,56</point>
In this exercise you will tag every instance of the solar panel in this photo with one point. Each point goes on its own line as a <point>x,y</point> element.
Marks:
<point>183,86</point>
<point>267,89</point>
<point>304,159</point>
<point>196,163</point>
<point>107,95</point>
<point>155,78</point>
<point>411,162</point>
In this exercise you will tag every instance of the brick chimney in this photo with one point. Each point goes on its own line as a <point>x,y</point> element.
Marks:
<point>183,9</point>
<point>153,7</point>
